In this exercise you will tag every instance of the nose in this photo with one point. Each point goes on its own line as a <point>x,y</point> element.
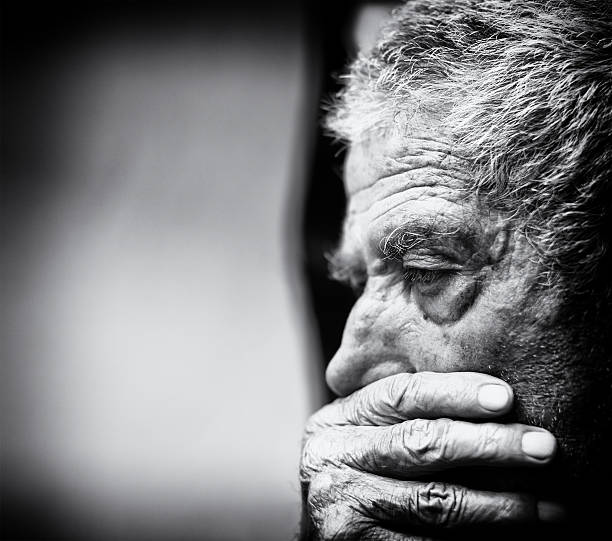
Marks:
<point>375,344</point>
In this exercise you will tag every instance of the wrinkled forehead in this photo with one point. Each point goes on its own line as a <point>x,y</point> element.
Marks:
<point>407,181</point>
<point>424,153</point>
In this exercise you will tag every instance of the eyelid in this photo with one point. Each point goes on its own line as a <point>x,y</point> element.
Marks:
<point>428,281</point>
<point>428,262</point>
<point>427,270</point>
<point>427,254</point>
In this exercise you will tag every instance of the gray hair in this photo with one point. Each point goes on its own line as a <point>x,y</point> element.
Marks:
<point>527,88</point>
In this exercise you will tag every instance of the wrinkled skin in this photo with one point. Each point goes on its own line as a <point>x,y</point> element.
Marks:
<point>468,299</point>
<point>455,322</point>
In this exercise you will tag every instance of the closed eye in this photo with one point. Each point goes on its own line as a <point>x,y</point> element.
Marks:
<point>425,276</point>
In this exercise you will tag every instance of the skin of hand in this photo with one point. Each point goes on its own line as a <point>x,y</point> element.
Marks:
<point>446,284</point>
<point>365,457</point>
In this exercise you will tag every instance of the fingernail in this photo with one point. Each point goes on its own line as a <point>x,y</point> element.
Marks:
<point>539,444</point>
<point>493,397</point>
<point>550,512</point>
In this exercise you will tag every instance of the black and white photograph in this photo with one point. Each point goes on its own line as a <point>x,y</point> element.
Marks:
<point>306,271</point>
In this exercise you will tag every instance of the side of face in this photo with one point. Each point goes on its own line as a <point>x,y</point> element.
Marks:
<point>445,281</point>
<point>450,285</point>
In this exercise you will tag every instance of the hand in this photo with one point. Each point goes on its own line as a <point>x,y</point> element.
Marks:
<point>363,456</point>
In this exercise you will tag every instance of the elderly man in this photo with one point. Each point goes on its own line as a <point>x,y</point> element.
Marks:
<point>474,369</point>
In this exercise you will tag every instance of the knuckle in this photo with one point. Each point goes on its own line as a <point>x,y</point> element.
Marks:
<point>426,440</point>
<point>330,512</point>
<point>489,441</point>
<point>323,489</point>
<point>356,407</point>
<point>405,389</point>
<point>439,504</point>
<point>416,391</point>
<point>369,406</point>
<point>308,461</point>
<point>313,450</point>
<point>336,523</point>
<point>365,407</point>
<point>310,428</point>
<point>510,507</point>
<point>348,410</point>
<point>320,419</point>
<point>322,450</point>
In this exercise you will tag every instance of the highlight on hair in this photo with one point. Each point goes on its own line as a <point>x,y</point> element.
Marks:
<point>526,92</point>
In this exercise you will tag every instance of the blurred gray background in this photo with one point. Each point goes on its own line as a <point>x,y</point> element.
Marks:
<point>168,199</point>
<point>156,354</point>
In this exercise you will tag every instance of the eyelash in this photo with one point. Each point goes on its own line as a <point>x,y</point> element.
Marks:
<point>424,276</point>
<point>357,279</point>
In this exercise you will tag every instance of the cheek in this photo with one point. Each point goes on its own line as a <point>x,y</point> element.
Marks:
<point>434,328</point>
<point>468,326</point>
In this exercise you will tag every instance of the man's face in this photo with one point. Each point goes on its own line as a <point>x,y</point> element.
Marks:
<point>449,284</point>
<point>443,279</point>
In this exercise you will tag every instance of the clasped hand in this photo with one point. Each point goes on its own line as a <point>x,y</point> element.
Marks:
<point>364,458</point>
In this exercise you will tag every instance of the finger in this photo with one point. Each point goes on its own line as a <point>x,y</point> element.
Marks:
<point>437,505</point>
<point>333,515</point>
<point>419,447</point>
<point>427,395</point>
<point>415,507</point>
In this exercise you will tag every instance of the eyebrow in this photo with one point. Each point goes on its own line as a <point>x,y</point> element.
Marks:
<point>347,264</point>
<point>420,232</point>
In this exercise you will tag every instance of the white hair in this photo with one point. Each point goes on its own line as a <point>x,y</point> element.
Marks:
<point>527,89</point>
